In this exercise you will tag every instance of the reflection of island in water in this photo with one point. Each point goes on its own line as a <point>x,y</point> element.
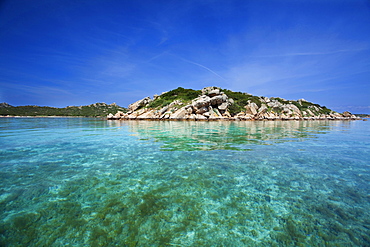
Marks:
<point>192,135</point>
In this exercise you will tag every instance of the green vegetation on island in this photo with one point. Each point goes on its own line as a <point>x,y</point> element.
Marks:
<point>240,100</point>
<point>93,110</point>
<point>185,95</point>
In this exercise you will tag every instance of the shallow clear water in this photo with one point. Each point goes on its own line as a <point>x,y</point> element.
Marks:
<point>89,182</point>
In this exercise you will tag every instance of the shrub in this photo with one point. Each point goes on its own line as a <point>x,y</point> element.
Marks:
<point>240,101</point>
<point>179,93</point>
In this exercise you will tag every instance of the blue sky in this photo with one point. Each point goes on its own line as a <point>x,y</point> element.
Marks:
<point>64,52</point>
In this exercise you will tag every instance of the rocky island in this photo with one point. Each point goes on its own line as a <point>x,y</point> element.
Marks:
<point>214,103</point>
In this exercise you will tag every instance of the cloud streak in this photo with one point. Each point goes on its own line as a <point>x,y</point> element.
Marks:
<point>312,53</point>
<point>202,66</point>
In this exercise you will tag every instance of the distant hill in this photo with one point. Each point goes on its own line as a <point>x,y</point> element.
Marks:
<point>3,105</point>
<point>214,103</point>
<point>93,110</point>
<point>363,115</point>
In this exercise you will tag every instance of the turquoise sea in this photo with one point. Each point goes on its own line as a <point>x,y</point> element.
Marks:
<point>91,182</point>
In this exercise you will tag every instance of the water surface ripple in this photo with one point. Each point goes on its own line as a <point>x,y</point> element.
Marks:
<point>89,182</point>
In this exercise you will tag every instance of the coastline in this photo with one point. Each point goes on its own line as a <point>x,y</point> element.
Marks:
<point>203,120</point>
<point>237,119</point>
<point>48,117</point>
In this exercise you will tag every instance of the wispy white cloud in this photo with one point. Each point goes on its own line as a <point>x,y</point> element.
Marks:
<point>261,77</point>
<point>202,66</point>
<point>271,80</point>
<point>313,53</point>
<point>163,34</point>
<point>156,56</point>
<point>37,89</point>
<point>294,66</point>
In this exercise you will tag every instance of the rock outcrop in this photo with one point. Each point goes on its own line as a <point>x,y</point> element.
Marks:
<point>143,102</point>
<point>5,105</point>
<point>214,104</point>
